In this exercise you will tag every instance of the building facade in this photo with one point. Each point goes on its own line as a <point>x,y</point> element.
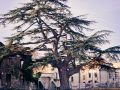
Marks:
<point>10,74</point>
<point>103,76</point>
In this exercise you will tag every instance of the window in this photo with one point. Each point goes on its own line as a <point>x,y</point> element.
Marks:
<point>96,81</point>
<point>0,76</point>
<point>83,82</point>
<point>8,77</point>
<point>110,75</point>
<point>90,81</point>
<point>89,75</point>
<point>56,75</point>
<point>72,79</point>
<point>116,75</point>
<point>83,77</point>
<point>95,74</point>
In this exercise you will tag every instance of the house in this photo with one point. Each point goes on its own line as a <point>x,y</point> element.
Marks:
<point>11,75</point>
<point>49,77</point>
<point>10,71</point>
<point>117,73</point>
<point>103,75</point>
<point>10,66</point>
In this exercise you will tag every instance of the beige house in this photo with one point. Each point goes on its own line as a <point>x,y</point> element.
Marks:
<point>104,75</point>
<point>101,76</point>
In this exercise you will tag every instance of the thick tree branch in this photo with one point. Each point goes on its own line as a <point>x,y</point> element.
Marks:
<point>41,28</point>
<point>75,69</point>
<point>53,30</point>
<point>49,40</point>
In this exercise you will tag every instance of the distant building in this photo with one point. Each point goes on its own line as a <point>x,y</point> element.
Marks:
<point>101,76</point>
<point>49,77</point>
<point>104,75</point>
<point>10,71</point>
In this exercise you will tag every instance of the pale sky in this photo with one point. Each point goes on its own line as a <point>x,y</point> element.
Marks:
<point>105,12</point>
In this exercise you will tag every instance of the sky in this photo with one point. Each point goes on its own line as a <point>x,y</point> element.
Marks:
<point>105,12</point>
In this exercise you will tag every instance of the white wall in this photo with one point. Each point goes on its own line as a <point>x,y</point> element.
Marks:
<point>104,76</point>
<point>74,81</point>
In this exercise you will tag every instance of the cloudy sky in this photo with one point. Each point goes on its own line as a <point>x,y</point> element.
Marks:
<point>105,12</point>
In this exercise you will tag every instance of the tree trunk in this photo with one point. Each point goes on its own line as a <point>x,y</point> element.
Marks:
<point>64,79</point>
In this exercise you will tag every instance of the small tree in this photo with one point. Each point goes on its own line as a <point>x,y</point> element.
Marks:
<point>51,22</point>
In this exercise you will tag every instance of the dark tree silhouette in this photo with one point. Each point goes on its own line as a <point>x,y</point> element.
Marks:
<point>50,22</point>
